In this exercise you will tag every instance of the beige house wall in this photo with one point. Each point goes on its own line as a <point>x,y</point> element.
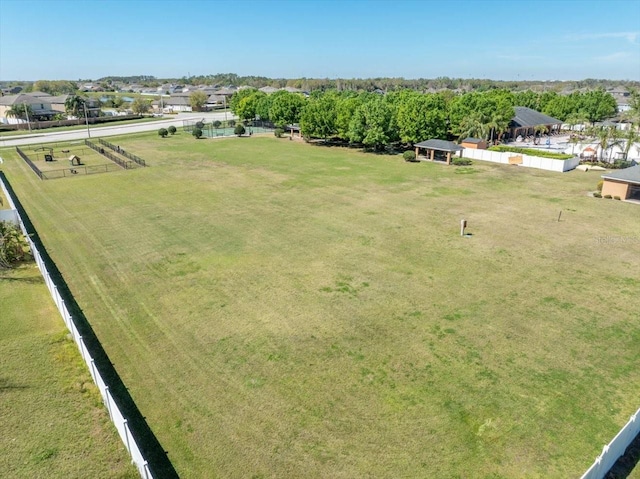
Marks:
<point>615,188</point>
<point>475,146</point>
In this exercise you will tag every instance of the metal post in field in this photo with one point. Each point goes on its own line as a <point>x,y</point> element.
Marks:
<point>86,118</point>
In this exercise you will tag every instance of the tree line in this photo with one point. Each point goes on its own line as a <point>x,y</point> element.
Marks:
<point>408,117</point>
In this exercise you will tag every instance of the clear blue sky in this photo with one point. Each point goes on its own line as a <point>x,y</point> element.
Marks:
<point>516,40</point>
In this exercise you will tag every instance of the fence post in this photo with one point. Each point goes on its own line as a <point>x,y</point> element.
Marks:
<point>126,434</point>
<point>107,394</point>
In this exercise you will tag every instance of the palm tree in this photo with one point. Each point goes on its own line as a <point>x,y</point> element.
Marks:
<point>74,105</point>
<point>20,111</point>
<point>631,137</point>
<point>474,126</point>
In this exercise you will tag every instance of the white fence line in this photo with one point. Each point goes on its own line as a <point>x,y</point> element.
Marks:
<point>117,417</point>
<point>616,448</point>
<point>528,161</point>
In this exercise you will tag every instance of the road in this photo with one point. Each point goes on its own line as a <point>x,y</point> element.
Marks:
<point>99,131</point>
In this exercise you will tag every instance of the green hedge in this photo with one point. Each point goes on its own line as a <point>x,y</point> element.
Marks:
<point>531,151</point>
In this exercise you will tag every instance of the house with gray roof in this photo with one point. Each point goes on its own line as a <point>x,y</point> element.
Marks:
<point>177,103</point>
<point>268,90</point>
<point>624,184</point>
<point>40,107</point>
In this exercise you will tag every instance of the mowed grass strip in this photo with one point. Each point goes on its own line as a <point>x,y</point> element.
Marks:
<point>53,423</point>
<point>285,310</point>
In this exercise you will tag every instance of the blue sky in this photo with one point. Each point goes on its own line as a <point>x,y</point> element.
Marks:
<point>503,40</point>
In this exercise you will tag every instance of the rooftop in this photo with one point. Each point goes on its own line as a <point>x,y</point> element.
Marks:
<point>628,175</point>
<point>526,117</point>
<point>440,145</point>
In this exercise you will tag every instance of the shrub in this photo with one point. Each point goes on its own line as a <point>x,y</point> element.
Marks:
<point>278,132</point>
<point>600,183</point>
<point>607,197</point>
<point>409,155</point>
<point>532,152</point>
<point>13,247</point>
<point>231,123</point>
<point>199,125</point>
<point>597,194</point>
<point>172,130</point>
<point>620,164</point>
<point>197,132</point>
<point>217,123</point>
<point>163,132</point>
<point>461,161</point>
<point>239,129</point>
<point>616,198</point>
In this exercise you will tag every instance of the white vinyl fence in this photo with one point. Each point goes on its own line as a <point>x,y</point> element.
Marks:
<point>616,448</point>
<point>116,416</point>
<point>527,160</point>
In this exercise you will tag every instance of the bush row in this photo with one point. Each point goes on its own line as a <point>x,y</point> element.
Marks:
<point>531,151</point>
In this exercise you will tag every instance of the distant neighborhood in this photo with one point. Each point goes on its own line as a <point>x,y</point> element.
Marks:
<point>169,97</point>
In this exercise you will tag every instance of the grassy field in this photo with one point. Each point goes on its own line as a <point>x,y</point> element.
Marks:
<point>52,420</point>
<point>285,310</point>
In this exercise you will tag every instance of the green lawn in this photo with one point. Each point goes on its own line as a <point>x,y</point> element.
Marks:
<point>52,420</point>
<point>285,310</point>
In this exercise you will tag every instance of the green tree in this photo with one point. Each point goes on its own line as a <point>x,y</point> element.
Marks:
<point>346,106</point>
<point>597,105</point>
<point>631,137</point>
<point>56,87</point>
<point>474,125</point>
<point>262,108</point>
<point>216,123</point>
<point>140,106</point>
<point>318,120</point>
<point>372,124</point>
<point>420,117</point>
<point>172,130</point>
<point>20,111</point>
<point>13,247</point>
<point>74,105</point>
<point>286,107</point>
<point>247,107</point>
<point>197,100</point>
<point>197,133</point>
<point>162,132</point>
<point>633,114</point>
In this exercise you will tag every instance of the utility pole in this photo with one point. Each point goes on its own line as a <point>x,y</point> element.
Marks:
<point>26,112</point>
<point>86,118</point>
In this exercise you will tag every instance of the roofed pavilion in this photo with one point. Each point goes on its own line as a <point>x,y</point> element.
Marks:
<point>431,146</point>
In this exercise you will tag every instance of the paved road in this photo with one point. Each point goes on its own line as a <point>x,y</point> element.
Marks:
<point>99,131</point>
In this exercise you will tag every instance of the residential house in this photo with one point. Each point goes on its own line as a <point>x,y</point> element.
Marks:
<point>58,103</point>
<point>177,103</point>
<point>624,184</point>
<point>40,107</point>
<point>268,90</point>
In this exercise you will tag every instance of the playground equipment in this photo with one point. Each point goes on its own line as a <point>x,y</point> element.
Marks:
<point>75,160</point>
<point>47,156</point>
